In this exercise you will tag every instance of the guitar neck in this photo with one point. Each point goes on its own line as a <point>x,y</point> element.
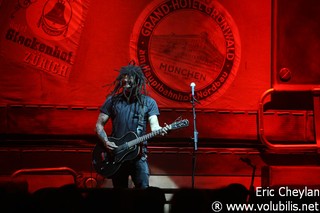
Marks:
<point>144,137</point>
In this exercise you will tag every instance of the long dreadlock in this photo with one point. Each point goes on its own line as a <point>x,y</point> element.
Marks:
<point>137,89</point>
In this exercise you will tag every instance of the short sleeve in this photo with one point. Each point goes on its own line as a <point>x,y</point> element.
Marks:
<point>152,107</point>
<point>106,107</point>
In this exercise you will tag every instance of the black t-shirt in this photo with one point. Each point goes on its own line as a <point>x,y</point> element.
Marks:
<point>125,116</point>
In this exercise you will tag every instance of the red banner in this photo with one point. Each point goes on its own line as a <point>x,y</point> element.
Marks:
<point>65,52</point>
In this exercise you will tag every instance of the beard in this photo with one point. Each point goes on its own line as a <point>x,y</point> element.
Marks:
<point>129,92</point>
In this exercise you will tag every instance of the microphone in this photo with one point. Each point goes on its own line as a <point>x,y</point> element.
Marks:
<point>192,85</point>
<point>246,160</point>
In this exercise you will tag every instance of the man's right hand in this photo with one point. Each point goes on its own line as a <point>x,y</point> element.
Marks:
<point>110,145</point>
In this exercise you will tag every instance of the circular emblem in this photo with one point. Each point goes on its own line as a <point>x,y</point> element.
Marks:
<point>178,42</point>
<point>54,19</point>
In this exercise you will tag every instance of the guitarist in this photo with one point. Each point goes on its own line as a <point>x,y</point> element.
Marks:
<point>130,109</point>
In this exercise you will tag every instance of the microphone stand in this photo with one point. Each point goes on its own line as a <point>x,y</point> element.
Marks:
<point>195,138</point>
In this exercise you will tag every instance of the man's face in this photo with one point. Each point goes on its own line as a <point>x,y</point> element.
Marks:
<point>127,81</point>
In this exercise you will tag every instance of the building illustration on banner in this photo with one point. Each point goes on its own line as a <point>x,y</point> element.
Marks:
<point>178,42</point>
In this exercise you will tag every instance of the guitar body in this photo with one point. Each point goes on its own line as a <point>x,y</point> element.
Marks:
<point>107,163</point>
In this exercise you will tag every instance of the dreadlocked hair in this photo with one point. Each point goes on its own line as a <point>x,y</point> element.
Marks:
<point>138,88</point>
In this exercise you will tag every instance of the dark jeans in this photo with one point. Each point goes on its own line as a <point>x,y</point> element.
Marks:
<point>138,169</point>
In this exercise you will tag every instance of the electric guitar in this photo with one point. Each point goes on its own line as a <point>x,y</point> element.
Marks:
<point>107,162</point>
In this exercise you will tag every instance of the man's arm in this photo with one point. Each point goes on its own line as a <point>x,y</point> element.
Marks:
<point>154,124</point>
<point>101,122</point>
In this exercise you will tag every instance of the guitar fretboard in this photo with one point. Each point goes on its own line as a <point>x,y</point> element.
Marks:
<point>144,137</point>
<point>174,125</point>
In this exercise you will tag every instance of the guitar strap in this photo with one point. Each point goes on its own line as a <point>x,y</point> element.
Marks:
<point>141,126</point>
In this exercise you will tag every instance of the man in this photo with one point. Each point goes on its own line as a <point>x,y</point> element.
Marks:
<point>130,109</point>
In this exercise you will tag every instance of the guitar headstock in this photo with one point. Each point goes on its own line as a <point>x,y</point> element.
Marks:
<point>179,124</point>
